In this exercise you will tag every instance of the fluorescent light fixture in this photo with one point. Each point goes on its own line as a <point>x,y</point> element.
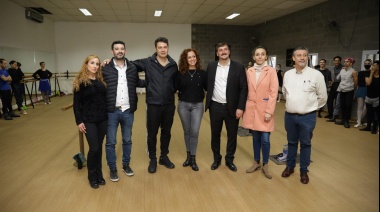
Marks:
<point>85,11</point>
<point>157,13</point>
<point>233,16</point>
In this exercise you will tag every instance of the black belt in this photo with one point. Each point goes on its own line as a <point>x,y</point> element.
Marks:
<point>224,104</point>
<point>298,114</point>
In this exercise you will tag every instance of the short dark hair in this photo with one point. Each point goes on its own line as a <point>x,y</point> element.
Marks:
<point>1,60</point>
<point>260,47</point>
<point>279,65</point>
<point>220,45</point>
<point>41,63</point>
<point>18,64</point>
<point>12,62</point>
<point>323,60</point>
<point>377,62</point>
<point>161,39</point>
<point>340,58</point>
<point>300,48</point>
<point>117,42</point>
<point>369,60</point>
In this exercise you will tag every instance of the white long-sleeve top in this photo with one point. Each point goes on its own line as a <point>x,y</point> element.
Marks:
<point>305,92</point>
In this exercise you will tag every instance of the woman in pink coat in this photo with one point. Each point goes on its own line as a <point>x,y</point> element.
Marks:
<point>261,102</point>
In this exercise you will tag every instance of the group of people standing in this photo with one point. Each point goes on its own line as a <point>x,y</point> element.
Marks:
<point>11,81</point>
<point>105,97</point>
<point>347,84</point>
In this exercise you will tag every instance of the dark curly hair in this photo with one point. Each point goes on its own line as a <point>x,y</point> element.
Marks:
<point>183,65</point>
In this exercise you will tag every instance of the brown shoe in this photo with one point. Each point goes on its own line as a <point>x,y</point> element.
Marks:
<point>267,172</point>
<point>287,172</point>
<point>254,167</point>
<point>304,178</point>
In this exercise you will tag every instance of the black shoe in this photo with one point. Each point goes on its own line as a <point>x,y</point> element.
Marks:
<point>101,181</point>
<point>187,161</point>
<point>333,119</point>
<point>339,122</point>
<point>319,115</point>
<point>193,163</point>
<point>94,185</point>
<point>127,170</point>
<point>231,166</point>
<point>327,117</point>
<point>114,177</point>
<point>365,128</point>
<point>152,166</point>
<point>215,165</point>
<point>164,160</point>
<point>7,117</point>
<point>346,124</point>
<point>14,115</point>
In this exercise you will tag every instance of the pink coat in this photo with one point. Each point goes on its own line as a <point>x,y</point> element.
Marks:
<point>261,99</point>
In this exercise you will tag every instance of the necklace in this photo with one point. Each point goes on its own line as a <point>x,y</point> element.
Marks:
<point>193,73</point>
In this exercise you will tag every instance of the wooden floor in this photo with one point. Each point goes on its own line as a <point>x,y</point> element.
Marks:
<point>37,172</point>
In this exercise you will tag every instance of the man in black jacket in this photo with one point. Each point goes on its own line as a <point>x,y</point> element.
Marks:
<point>226,99</point>
<point>160,73</point>
<point>122,78</point>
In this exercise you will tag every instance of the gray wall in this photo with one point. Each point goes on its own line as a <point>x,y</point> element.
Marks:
<point>306,28</point>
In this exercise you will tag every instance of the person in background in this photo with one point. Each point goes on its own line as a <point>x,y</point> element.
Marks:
<point>191,84</point>
<point>160,75</point>
<point>17,87</point>
<point>305,92</point>
<point>226,99</point>
<point>44,75</point>
<point>5,91</point>
<point>280,76</point>
<point>259,110</point>
<point>347,85</point>
<point>327,75</point>
<point>372,99</point>
<point>334,95</point>
<point>90,110</point>
<point>361,92</point>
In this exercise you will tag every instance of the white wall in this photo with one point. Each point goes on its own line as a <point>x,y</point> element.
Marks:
<point>75,41</point>
<point>19,32</point>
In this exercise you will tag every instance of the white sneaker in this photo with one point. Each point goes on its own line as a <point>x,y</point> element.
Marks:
<point>24,112</point>
<point>358,125</point>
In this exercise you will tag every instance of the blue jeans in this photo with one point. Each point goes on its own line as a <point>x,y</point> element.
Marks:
<point>261,142</point>
<point>299,128</point>
<point>191,117</point>
<point>126,121</point>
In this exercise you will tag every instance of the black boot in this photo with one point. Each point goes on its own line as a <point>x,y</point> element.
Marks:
<point>193,163</point>
<point>7,116</point>
<point>368,127</point>
<point>374,128</point>
<point>333,119</point>
<point>187,161</point>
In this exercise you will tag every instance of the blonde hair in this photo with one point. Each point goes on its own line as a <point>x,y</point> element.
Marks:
<point>83,75</point>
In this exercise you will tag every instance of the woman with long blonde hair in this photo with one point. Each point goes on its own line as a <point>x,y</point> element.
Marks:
<point>91,114</point>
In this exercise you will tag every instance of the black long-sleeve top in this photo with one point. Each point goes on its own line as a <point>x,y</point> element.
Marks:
<point>90,103</point>
<point>361,78</point>
<point>191,85</point>
<point>42,74</point>
<point>16,75</point>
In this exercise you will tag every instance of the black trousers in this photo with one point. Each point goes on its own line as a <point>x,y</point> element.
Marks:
<point>218,114</point>
<point>95,133</point>
<point>159,116</point>
<point>332,96</point>
<point>6,99</point>
<point>18,91</point>
<point>372,115</point>
<point>346,99</point>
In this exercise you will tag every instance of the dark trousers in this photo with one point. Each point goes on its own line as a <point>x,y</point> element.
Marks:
<point>6,99</point>
<point>159,116</point>
<point>218,114</point>
<point>332,96</point>
<point>346,99</point>
<point>95,133</point>
<point>372,116</point>
<point>18,93</point>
